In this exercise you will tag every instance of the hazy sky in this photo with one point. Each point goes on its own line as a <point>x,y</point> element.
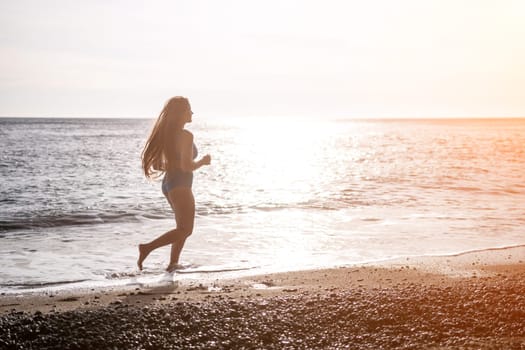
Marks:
<point>367,58</point>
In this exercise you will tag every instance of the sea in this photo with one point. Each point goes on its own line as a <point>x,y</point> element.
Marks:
<point>280,195</point>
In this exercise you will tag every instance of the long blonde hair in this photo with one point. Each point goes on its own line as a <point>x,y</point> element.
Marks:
<point>159,151</point>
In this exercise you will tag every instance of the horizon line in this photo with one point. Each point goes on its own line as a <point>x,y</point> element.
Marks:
<point>286,117</point>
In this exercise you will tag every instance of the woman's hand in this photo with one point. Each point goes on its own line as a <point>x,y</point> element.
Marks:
<point>206,160</point>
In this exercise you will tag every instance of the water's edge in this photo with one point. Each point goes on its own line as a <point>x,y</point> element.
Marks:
<point>206,276</point>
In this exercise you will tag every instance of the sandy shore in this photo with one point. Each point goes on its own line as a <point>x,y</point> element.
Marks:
<point>474,300</point>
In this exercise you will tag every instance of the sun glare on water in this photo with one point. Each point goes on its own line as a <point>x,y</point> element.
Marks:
<point>284,158</point>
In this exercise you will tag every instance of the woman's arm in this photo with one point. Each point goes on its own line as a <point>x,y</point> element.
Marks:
<point>187,162</point>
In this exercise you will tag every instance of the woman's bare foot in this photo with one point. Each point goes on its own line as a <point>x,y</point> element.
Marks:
<point>143,254</point>
<point>173,267</point>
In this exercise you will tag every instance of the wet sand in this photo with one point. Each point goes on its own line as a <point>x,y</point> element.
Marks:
<point>474,300</point>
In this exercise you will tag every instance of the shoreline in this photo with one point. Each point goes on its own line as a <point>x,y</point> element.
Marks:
<point>473,263</point>
<point>89,286</point>
<point>470,300</point>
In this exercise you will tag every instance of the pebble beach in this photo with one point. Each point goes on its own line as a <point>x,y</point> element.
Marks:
<point>468,301</point>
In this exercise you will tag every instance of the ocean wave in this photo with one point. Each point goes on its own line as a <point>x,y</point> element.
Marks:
<point>34,285</point>
<point>60,220</point>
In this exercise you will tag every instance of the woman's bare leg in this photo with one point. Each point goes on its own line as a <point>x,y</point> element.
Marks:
<point>165,239</point>
<point>183,204</point>
<point>185,217</point>
<point>176,248</point>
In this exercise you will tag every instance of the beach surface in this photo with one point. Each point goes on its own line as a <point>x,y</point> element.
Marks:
<point>472,300</point>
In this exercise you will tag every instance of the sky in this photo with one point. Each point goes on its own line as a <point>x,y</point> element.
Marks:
<point>272,58</point>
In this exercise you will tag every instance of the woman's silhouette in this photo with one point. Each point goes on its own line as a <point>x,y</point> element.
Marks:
<point>170,151</point>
